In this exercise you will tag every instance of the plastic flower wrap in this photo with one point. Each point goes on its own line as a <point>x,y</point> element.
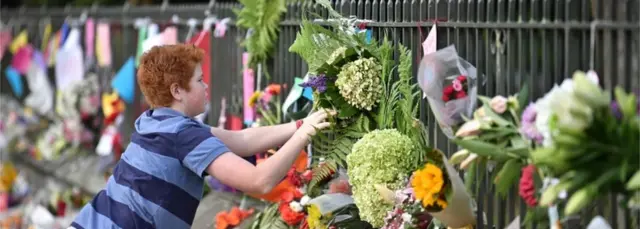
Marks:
<point>380,157</point>
<point>450,84</point>
<point>584,144</point>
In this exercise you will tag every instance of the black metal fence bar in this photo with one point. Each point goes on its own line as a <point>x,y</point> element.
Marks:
<point>510,42</point>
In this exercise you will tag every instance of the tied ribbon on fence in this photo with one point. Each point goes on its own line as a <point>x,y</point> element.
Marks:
<point>362,27</point>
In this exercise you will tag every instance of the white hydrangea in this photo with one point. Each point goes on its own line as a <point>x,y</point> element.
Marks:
<point>360,84</point>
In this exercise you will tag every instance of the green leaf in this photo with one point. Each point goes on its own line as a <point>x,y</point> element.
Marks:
<point>523,97</point>
<point>346,110</point>
<point>507,176</point>
<point>483,149</point>
<point>634,182</point>
<point>626,102</point>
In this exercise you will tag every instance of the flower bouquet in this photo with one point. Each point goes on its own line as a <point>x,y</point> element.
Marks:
<point>450,84</point>
<point>589,141</point>
<point>494,135</point>
<point>268,105</point>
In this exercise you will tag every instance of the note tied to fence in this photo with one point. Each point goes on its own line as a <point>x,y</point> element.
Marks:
<point>103,45</point>
<point>89,39</point>
<point>5,38</point>
<point>18,42</point>
<point>69,61</point>
<point>22,59</point>
<point>248,82</point>
<point>430,46</point>
<point>170,35</point>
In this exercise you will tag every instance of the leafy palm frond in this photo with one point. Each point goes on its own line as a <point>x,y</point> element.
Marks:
<point>269,219</point>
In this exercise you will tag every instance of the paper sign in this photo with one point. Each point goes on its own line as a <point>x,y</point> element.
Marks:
<point>46,35</point>
<point>22,59</point>
<point>15,81</point>
<point>64,32</point>
<point>18,42</point>
<point>125,80</point>
<point>103,46</point>
<point>5,39</point>
<point>142,35</point>
<point>248,82</point>
<point>69,62</point>
<point>89,39</point>
<point>430,46</point>
<point>170,35</point>
<point>202,41</point>
<point>52,49</point>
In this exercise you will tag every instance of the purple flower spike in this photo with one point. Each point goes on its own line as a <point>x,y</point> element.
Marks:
<point>615,109</point>
<point>318,82</point>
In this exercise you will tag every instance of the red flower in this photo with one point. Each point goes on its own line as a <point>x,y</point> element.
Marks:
<point>287,197</point>
<point>448,90</point>
<point>462,78</point>
<point>307,176</point>
<point>340,186</point>
<point>527,186</point>
<point>461,94</point>
<point>289,216</point>
<point>294,177</point>
<point>445,98</point>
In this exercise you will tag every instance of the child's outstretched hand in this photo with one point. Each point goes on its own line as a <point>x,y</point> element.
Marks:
<point>316,121</point>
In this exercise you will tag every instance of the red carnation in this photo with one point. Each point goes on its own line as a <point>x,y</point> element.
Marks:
<point>445,98</point>
<point>294,177</point>
<point>527,186</point>
<point>448,90</point>
<point>462,78</point>
<point>461,94</point>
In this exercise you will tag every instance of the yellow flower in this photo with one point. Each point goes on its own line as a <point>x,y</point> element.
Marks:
<point>427,184</point>
<point>313,217</point>
<point>254,98</point>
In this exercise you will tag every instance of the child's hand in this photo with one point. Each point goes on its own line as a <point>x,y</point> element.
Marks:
<point>315,121</point>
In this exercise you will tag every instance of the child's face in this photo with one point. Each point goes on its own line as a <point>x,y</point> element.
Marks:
<point>196,98</point>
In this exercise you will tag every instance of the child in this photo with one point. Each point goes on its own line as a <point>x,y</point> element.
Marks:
<point>158,182</point>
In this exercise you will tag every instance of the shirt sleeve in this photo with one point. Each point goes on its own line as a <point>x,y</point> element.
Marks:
<point>197,148</point>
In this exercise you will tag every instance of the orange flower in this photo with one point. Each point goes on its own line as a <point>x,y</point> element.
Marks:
<point>427,184</point>
<point>274,89</point>
<point>232,218</point>
<point>290,196</point>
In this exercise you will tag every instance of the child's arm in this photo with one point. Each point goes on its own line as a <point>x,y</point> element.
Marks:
<point>251,141</point>
<point>236,172</point>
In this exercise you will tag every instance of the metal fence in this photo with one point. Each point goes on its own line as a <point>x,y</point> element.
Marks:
<point>509,41</point>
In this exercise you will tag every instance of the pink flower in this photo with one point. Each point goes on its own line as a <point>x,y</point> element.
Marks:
<point>498,104</point>
<point>527,188</point>
<point>457,85</point>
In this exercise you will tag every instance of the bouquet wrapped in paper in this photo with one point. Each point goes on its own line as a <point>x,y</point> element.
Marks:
<point>450,84</point>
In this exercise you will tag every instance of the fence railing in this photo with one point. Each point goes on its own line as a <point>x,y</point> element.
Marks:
<point>509,41</point>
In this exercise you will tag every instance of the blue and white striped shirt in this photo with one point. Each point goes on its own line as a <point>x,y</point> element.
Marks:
<point>158,183</point>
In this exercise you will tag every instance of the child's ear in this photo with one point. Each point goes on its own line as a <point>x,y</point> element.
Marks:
<point>175,91</point>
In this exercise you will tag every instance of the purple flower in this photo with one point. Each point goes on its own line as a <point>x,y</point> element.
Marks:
<point>528,128</point>
<point>615,109</point>
<point>318,82</point>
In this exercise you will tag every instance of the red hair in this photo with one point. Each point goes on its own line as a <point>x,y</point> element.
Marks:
<point>163,66</point>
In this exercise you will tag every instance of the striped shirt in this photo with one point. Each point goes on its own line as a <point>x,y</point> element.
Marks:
<point>158,183</point>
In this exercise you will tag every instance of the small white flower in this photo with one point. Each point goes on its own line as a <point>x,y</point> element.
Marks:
<point>406,217</point>
<point>295,206</point>
<point>305,200</point>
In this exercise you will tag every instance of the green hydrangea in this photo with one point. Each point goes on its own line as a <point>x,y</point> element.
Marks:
<point>359,83</point>
<point>379,157</point>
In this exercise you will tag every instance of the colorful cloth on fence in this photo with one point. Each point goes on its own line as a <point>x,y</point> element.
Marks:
<point>158,183</point>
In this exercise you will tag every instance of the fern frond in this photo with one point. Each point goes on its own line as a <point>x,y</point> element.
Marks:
<point>321,173</point>
<point>263,18</point>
